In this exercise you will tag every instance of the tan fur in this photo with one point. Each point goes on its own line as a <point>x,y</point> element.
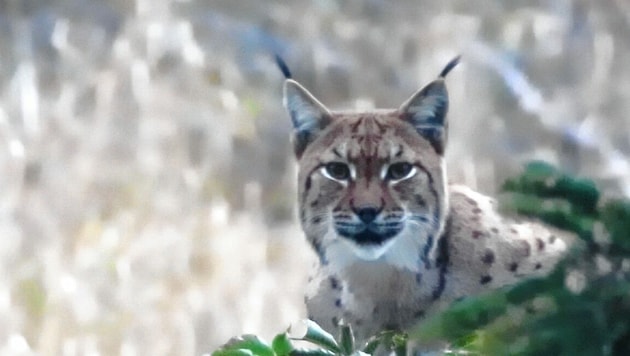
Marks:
<point>429,243</point>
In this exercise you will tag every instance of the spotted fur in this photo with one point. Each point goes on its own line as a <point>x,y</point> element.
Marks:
<point>394,240</point>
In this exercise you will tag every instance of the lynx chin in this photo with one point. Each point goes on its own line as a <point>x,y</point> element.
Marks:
<point>395,241</point>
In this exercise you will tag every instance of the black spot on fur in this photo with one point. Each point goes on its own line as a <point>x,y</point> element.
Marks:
<point>552,239</point>
<point>477,234</point>
<point>314,203</point>
<point>338,303</point>
<point>334,283</point>
<point>485,279</point>
<point>540,244</point>
<point>307,185</point>
<point>513,266</point>
<point>488,257</point>
<point>419,278</point>
<point>420,200</point>
<point>525,247</point>
<point>476,211</point>
<point>335,321</point>
<point>317,220</point>
<point>538,266</point>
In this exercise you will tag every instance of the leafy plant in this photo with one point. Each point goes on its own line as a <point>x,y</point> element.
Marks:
<point>324,344</point>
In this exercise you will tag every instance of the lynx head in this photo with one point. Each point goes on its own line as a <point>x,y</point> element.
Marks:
<point>372,185</point>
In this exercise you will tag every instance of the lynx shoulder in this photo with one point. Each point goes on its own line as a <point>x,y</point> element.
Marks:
<point>395,241</point>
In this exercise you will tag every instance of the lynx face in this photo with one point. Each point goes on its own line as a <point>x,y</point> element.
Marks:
<point>371,185</point>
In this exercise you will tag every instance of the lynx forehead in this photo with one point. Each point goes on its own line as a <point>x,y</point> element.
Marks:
<point>394,240</point>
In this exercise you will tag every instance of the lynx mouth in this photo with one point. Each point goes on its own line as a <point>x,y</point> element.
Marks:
<point>370,235</point>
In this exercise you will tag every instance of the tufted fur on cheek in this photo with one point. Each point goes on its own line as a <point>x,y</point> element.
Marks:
<point>316,197</point>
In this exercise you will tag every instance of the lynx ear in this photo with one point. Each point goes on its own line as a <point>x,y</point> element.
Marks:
<point>426,111</point>
<point>308,115</point>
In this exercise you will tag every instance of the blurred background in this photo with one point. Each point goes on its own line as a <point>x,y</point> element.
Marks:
<point>147,195</point>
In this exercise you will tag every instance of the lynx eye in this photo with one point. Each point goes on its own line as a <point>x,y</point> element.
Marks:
<point>337,171</point>
<point>399,171</point>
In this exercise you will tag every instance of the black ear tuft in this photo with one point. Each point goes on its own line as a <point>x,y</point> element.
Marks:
<point>449,66</point>
<point>284,68</point>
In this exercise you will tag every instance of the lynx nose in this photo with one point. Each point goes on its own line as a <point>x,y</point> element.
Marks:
<point>367,215</point>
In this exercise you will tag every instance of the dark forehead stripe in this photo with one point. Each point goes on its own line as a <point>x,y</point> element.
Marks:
<point>369,133</point>
<point>382,128</point>
<point>405,133</point>
<point>355,127</point>
<point>336,152</point>
<point>371,124</point>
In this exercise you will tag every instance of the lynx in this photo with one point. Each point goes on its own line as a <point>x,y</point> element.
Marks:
<point>395,241</point>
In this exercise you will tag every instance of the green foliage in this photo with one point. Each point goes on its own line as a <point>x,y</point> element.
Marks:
<point>542,180</point>
<point>582,308</point>
<point>323,343</point>
<point>554,197</point>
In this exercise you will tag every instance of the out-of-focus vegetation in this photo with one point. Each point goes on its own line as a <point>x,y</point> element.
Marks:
<point>582,308</point>
<point>147,186</point>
